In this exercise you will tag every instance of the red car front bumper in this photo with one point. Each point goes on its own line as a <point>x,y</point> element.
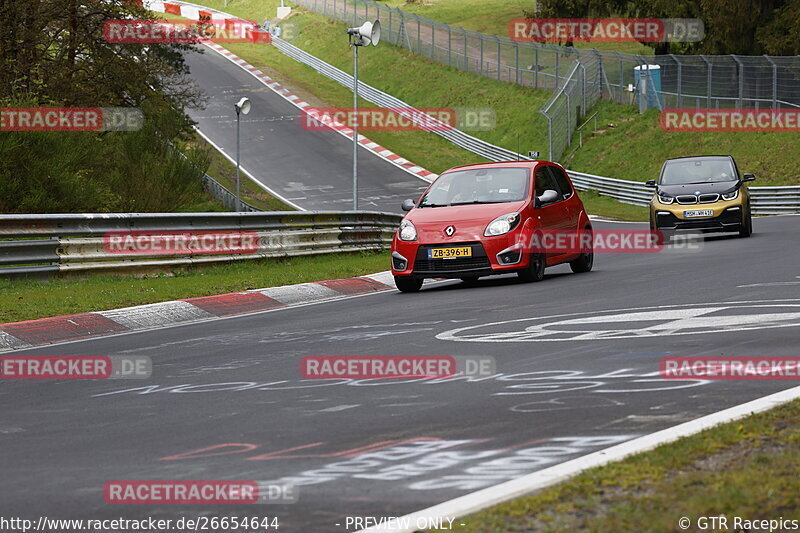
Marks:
<point>489,255</point>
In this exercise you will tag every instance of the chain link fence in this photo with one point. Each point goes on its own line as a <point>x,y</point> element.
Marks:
<point>700,81</point>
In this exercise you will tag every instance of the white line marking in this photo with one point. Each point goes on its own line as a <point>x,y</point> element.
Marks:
<point>769,284</point>
<point>483,499</point>
<point>397,162</point>
<point>248,174</point>
<point>338,408</point>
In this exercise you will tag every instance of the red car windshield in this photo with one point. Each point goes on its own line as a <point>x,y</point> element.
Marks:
<point>479,186</point>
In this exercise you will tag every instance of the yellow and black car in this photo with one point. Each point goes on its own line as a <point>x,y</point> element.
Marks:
<point>702,193</point>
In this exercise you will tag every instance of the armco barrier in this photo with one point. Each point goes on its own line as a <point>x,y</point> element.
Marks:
<point>50,244</point>
<point>763,200</point>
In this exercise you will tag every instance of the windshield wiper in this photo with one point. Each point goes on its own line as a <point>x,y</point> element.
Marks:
<point>434,205</point>
<point>479,202</point>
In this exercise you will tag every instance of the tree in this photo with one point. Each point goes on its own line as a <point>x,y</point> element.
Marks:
<point>54,51</point>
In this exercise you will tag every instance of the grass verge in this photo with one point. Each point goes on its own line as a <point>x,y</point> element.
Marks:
<point>746,468</point>
<point>222,170</point>
<point>608,207</point>
<point>631,146</point>
<point>28,300</point>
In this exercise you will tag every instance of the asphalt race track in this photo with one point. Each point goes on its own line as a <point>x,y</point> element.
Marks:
<point>564,386</point>
<point>313,169</point>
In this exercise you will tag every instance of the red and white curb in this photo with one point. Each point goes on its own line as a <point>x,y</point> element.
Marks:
<point>19,335</point>
<point>192,12</point>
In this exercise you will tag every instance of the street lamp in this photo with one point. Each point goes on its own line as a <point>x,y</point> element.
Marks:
<point>242,108</point>
<point>368,33</point>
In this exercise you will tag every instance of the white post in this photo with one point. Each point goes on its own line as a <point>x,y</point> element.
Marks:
<point>355,126</point>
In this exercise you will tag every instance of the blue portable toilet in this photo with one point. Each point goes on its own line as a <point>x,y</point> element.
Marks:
<point>652,75</point>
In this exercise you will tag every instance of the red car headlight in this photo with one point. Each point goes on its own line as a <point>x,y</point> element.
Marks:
<point>407,231</point>
<point>502,225</point>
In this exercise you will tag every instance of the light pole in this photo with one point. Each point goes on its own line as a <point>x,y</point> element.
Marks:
<point>366,34</point>
<point>242,108</point>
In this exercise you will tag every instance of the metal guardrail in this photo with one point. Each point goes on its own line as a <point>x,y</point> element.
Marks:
<point>763,200</point>
<point>228,199</point>
<point>371,94</point>
<point>705,81</point>
<point>51,244</point>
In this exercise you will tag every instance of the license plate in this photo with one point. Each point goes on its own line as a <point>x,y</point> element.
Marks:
<point>449,253</point>
<point>699,213</point>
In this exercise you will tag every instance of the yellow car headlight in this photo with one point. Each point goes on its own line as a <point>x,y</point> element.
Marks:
<point>664,199</point>
<point>731,195</point>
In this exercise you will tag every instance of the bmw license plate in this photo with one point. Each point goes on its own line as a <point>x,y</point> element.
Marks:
<point>449,253</point>
<point>699,213</point>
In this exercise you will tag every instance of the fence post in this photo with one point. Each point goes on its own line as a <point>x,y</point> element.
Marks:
<point>569,117</point>
<point>741,80</point>
<point>600,73</point>
<point>679,88</point>
<point>481,39</point>
<point>556,49</point>
<point>499,56</point>
<point>708,82</point>
<point>516,62</point>
<point>419,36</point>
<point>583,89</point>
<point>774,82</point>
<point>466,57</point>
<point>433,41</point>
<point>449,44</point>
<point>536,69</point>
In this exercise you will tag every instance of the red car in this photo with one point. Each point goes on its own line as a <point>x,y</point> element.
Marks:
<point>480,220</point>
